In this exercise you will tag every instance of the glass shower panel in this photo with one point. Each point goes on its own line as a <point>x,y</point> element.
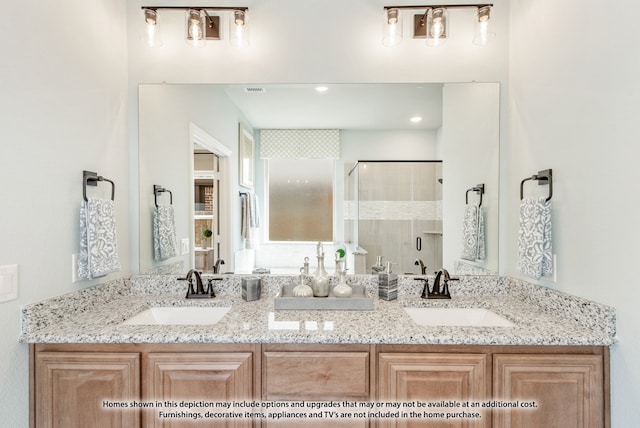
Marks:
<point>400,213</point>
<point>350,203</point>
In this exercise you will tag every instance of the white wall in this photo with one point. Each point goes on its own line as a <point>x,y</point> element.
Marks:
<point>574,107</point>
<point>63,110</point>
<point>470,143</point>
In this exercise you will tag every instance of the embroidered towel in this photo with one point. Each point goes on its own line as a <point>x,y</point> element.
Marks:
<point>473,245</point>
<point>250,220</point>
<point>534,237</point>
<point>164,232</point>
<point>98,244</point>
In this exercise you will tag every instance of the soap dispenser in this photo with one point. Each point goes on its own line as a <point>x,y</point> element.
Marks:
<point>387,284</point>
<point>377,268</point>
<point>320,280</point>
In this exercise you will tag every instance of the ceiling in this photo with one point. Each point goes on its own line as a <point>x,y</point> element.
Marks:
<point>342,106</point>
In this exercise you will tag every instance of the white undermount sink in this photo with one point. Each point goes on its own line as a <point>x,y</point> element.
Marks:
<point>178,315</point>
<point>477,317</point>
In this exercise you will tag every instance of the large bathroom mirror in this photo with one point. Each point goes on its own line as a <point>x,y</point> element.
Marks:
<point>457,134</point>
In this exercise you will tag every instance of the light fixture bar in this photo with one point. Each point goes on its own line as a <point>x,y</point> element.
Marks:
<point>421,21</point>
<point>437,6</point>
<point>214,8</point>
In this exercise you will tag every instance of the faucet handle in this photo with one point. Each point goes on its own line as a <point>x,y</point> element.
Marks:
<point>425,289</point>
<point>189,279</point>
<point>210,291</point>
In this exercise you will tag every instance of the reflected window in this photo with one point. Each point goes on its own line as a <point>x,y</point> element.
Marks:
<point>300,199</point>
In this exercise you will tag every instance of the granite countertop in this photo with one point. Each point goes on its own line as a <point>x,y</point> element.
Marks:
<point>541,316</point>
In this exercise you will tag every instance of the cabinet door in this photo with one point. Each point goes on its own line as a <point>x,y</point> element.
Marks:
<point>196,377</point>
<point>86,389</point>
<point>424,378</point>
<point>567,390</point>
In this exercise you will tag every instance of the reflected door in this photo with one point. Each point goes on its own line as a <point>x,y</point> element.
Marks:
<point>207,182</point>
<point>399,213</point>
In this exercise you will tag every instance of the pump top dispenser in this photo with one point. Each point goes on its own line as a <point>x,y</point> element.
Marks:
<point>387,284</point>
<point>377,268</point>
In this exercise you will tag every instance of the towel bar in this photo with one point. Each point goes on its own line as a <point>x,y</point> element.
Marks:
<point>540,177</point>
<point>90,178</point>
<point>479,188</point>
<point>159,189</point>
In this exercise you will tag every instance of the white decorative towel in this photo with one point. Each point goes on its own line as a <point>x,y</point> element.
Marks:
<point>250,220</point>
<point>164,233</point>
<point>473,245</point>
<point>98,243</point>
<point>534,237</point>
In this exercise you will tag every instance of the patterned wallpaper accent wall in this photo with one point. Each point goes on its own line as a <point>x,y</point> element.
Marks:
<point>300,144</point>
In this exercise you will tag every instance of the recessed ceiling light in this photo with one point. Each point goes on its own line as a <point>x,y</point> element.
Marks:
<point>322,88</point>
<point>416,119</point>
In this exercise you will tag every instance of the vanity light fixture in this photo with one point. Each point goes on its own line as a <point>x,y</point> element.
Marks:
<point>201,25</point>
<point>436,26</point>
<point>238,28</point>
<point>432,23</point>
<point>152,34</point>
<point>481,33</point>
<point>196,27</point>
<point>392,27</point>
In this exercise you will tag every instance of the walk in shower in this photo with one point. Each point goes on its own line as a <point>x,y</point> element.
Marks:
<point>393,209</point>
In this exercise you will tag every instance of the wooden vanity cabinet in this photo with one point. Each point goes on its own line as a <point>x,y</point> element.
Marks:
<point>193,376</point>
<point>568,390</point>
<point>412,377</point>
<point>569,384</point>
<point>72,388</point>
<point>317,373</point>
<point>71,383</point>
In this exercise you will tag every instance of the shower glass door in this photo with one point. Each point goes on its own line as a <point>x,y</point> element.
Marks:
<point>399,213</point>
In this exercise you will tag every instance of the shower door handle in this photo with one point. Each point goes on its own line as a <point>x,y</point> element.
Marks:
<point>419,243</point>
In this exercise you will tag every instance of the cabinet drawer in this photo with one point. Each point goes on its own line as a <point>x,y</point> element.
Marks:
<point>321,375</point>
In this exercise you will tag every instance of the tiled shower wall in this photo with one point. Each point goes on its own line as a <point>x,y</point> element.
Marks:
<point>398,204</point>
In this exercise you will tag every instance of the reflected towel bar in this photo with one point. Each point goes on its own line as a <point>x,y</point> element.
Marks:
<point>90,178</point>
<point>542,177</point>
<point>159,189</point>
<point>478,188</point>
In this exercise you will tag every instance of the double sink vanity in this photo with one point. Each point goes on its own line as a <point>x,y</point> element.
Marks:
<point>497,340</point>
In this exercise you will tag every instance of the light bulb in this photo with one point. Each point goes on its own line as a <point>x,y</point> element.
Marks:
<point>481,34</point>
<point>436,26</point>
<point>392,27</point>
<point>151,31</point>
<point>195,28</point>
<point>238,28</point>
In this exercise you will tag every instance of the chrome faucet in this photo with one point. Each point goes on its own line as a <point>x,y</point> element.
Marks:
<point>216,267</point>
<point>199,292</point>
<point>423,267</point>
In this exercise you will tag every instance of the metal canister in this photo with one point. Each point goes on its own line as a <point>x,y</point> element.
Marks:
<point>251,288</point>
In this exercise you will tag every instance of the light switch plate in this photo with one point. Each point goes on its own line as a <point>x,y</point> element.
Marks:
<point>8,283</point>
<point>185,246</point>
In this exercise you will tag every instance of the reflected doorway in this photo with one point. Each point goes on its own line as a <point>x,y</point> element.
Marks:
<point>206,209</point>
<point>211,207</point>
